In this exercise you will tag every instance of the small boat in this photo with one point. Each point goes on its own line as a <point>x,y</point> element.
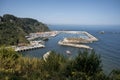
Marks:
<point>68,52</point>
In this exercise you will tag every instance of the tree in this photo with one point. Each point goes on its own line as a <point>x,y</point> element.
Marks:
<point>85,66</point>
<point>13,29</point>
<point>115,75</point>
<point>54,66</point>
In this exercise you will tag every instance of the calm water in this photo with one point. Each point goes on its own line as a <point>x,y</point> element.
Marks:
<point>108,45</point>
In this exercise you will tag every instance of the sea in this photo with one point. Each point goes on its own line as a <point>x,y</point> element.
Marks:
<point>107,46</point>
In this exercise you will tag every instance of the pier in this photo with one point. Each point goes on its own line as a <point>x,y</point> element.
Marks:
<point>26,48</point>
<point>33,45</point>
<point>49,34</point>
<point>91,37</point>
<point>74,45</point>
<point>76,42</point>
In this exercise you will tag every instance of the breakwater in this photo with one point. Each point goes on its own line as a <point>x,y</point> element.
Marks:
<point>74,45</point>
<point>76,41</point>
<point>26,48</point>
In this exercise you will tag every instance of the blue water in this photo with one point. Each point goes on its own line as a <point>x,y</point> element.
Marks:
<point>108,46</point>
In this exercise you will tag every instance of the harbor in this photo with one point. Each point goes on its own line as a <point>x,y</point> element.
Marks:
<point>107,44</point>
<point>38,40</point>
<point>36,44</point>
<point>31,46</point>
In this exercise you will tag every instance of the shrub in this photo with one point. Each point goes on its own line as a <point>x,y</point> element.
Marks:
<point>115,75</point>
<point>85,66</point>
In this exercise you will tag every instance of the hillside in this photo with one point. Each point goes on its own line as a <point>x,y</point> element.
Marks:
<point>14,29</point>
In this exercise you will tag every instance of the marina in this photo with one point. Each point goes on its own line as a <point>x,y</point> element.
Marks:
<point>107,45</point>
<point>72,41</point>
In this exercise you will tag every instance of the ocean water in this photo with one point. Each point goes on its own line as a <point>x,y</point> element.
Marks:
<point>108,46</point>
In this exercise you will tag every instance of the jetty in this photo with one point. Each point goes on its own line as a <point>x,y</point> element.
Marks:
<point>77,41</point>
<point>46,35</point>
<point>26,48</point>
<point>74,45</point>
<point>33,45</point>
<point>91,37</point>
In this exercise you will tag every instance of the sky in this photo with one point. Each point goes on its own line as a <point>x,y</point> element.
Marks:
<point>80,12</point>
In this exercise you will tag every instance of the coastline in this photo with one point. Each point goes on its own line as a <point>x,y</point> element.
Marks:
<point>35,44</point>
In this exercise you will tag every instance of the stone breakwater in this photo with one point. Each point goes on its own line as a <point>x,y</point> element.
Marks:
<point>78,42</point>
<point>91,37</point>
<point>74,45</point>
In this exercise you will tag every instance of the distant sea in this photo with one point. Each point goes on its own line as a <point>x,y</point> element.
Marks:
<point>108,46</point>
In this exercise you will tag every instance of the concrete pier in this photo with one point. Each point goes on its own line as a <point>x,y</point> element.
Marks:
<point>25,48</point>
<point>74,45</point>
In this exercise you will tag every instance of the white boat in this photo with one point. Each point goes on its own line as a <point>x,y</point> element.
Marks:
<point>68,52</point>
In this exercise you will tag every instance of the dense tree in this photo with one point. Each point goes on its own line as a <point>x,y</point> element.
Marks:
<point>115,75</point>
<point>85,66</point>
<point>14,29</point>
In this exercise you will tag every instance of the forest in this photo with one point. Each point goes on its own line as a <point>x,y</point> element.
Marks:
<point>85,66</point>
<point>14,29</point>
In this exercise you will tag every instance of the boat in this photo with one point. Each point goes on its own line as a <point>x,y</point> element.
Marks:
<point>68,52</point>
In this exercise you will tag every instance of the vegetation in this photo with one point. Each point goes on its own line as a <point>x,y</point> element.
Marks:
<point>85,66</point>
<point>14,29</point>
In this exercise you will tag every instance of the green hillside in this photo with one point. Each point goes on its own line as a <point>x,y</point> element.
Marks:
<point>14,29</point>
<point>84,66</point>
